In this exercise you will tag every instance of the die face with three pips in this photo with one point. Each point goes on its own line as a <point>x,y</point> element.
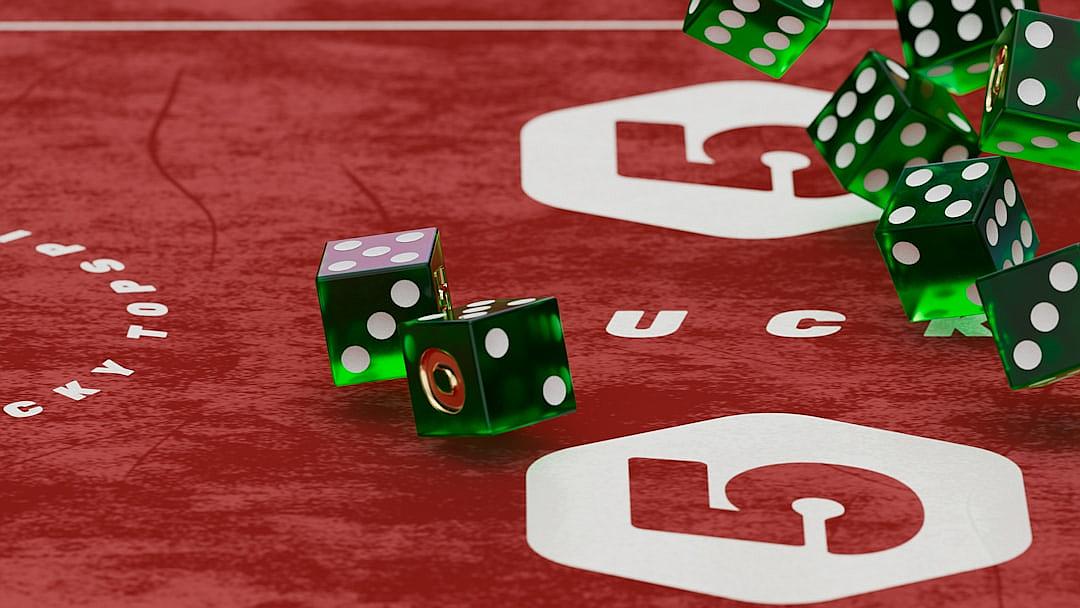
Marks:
<point>948,224</point>
<point>487,368</point>
<point>767,35</point>
<point>883,119</point>
<point>949,41</point>
<point>1032,108</point>
<point>367,287</point>
<point>1034,313</point>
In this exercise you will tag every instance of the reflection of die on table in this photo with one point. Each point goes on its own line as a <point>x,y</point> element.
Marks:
<point>489,367</point>
<point>369,285</point>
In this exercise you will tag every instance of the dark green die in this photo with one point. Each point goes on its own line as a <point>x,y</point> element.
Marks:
<point>367,286</point>
<point>948,41</point>
<point>767,35</point>
<point>487,368</point>
<point>883,119</point>
<point>947,225</point>
<point>1033,100</point>
<point>1034,312</point>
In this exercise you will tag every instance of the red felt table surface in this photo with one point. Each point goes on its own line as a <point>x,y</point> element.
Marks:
<point>228,470</point>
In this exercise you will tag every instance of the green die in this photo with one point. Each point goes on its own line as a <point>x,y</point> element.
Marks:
<point>487,368</point>
<point>1033,100</point>
<point>768,35</point>
<point>947,225</point>
<point>883,119</point>
<point>948,41</point>
<point>1034,312</point>
<point>367,286</point>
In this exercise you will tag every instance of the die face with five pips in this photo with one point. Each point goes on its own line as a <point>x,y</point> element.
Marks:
<point>883,119</point>
<point>487,368</point>
<point>367,286</point>
<point>767,35</point>
<point>1034,313</point>
<point>948,224</point>
<point>1033,98</point>
<point>948,41</point>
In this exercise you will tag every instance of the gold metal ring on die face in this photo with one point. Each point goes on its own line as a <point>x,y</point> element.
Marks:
<point>441,379</point>
<point>997,77</point>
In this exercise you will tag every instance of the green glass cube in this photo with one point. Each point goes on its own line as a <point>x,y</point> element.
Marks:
<point>1034,313</point>
<point>367,286</point>
<point>1033,99</point>
<point>487,368</point>
<point>947,225</point>
<point>883,119</point>
<point>767,35</point>
<point>948,41</point>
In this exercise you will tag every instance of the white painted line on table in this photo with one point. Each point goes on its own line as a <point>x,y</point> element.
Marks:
<point>384,26</point>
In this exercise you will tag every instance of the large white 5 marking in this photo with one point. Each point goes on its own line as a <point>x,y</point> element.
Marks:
<point>569,160</point>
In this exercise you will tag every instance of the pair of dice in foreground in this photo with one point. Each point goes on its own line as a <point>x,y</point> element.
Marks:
<point>481,369</point>
<point>958,240</point>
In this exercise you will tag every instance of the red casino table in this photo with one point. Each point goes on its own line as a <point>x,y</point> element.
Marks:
<point>757,421</point>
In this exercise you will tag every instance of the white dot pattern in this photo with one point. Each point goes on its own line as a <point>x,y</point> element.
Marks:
<point>496,343</point>
<point>958,209</point>
<point>938,193</point>
<point>876,180</point>
<point>919,177</point>
<point>409,237</point>
<point>404,293</point>
<point>342,266</point>
<point>403,258</point>
<point>355,359</point>
<point>906,253</point>
<point>554,390</point>
<point>381,325</point>
<point>913,134</point>
<point>901,215</point>
<point>1063,277</point>
<point>374,252</point>
<point>1027,355</point>
<point>1044,317</point>
<point>1031,91</point>
<point>347,245</point>
<point>975,171</point>
<point>521,301</point>
<point>1039,35</point>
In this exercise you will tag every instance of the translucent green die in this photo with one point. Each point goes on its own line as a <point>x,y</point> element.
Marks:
<point>948,41</point>
<point>883,119</point>
<point>768,35</point>
<point>1033,100</point>
<point>367,286</point>
<point>1034,312</point>
<point>487,368</point>
<point>947,225</point>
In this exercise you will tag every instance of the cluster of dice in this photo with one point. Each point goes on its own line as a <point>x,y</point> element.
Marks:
<point>955,234</point>
<point>481,369</point>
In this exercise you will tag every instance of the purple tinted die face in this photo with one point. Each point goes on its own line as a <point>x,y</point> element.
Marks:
<point>362,254</point>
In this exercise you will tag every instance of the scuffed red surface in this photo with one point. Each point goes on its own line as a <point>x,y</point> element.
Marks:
<point>229,471</point>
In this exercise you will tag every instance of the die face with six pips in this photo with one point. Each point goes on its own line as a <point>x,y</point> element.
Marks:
<point>946,225</point>
<point>367,286</point>
<point>487,368</point>
<point>883,119</point>
<point>1034,313</point>
<point>767,35</point>
<point>1032,108</point>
